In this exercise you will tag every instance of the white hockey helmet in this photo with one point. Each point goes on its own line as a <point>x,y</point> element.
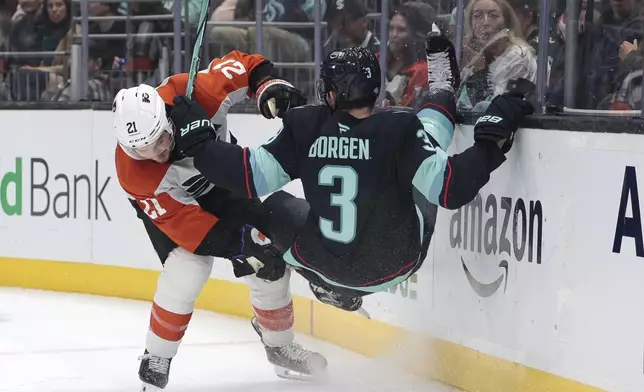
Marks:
<point>140,119</point>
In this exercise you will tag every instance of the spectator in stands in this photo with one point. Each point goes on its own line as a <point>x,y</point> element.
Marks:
<point>97,85</point>
<point>629,95</point>
<point>113,49</point>
<point>527,12</point>
<point>406,77</point>
<point>25,32</point>
<point>7,9</point>
<point>349,27</point>
<point>599,66</point>
<point>557,49</point>
<point>146,50</point>
<point>16,11</point>
<point>53,26</point>
<point>494,53</point>
<point>279,45</point>
<point>56,24</point>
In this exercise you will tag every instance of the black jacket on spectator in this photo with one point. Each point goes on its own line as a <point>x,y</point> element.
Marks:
<point>26,37</point>
<point>600,61</point>
<point>111,47</point>
<point>51,34</point>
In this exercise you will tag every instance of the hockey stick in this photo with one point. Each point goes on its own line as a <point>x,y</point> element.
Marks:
<point>196,52</point>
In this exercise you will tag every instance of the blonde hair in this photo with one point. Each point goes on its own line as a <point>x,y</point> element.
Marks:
<point>515,32</point>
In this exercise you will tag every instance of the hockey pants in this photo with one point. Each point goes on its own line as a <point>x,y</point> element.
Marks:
<point>179,284</point>
<point>288,215</point>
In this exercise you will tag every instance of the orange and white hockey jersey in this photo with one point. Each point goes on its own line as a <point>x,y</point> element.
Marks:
<point>167,192</point>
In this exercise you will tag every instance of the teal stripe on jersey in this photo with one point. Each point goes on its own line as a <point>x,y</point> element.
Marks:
<point>429,177</point>
<point>288,257</point>
<point>438,126</point>
<point>268,174</point>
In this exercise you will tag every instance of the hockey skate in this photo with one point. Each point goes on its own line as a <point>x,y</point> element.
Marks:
<point>293,362</point>
<point>441,63</point>
<point>154,372</point>
<point>349,304</point>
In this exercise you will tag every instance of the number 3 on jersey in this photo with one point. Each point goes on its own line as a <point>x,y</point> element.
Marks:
<point>344,200</point>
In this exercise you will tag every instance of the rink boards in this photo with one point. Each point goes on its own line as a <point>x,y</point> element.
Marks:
<point>534,286</point>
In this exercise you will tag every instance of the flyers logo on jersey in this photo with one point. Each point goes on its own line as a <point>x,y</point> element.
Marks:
<point>194,125</point>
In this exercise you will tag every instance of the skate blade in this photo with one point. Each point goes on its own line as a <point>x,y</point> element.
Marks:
<point>363,312</point>
<point>289,374</point>
<point>149,388</point>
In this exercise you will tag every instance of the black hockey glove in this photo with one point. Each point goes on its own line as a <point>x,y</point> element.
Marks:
<point>276,96</point>
<point>258,252</point>
<point>503,118</point>
<point>192,127</point>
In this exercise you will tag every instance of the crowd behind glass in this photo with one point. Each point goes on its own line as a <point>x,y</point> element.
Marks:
<point>499,41</point>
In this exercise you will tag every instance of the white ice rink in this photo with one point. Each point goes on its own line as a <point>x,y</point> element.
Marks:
<point>71,342</point>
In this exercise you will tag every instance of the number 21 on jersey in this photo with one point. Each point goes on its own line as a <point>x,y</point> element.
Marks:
<point>152,208</point>
<point>343,200</point>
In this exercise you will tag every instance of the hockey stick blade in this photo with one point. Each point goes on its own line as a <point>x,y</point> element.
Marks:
<point>196,52</point>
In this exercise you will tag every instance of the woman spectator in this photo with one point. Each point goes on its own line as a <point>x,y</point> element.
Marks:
<point>494,53</point>
<point>54,28</point>
<point>406,77</point>
<point>56,24</point>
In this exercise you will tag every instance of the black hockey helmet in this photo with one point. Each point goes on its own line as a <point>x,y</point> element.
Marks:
<point>353,74</point>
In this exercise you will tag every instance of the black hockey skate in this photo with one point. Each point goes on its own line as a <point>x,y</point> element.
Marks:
<point>350,304</point>
<point>441,63</point>
<point>154,372</point>
<point>293,362</point>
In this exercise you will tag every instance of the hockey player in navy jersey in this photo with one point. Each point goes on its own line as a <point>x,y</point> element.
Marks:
<point>372,181</point>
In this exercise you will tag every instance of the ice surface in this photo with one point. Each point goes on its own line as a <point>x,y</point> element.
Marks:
<point>72,342</point>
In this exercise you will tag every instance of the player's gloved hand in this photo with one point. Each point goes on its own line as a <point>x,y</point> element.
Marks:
<point>276,96</point>
<point>503,118</point>
<point>258,252</point>
<point>192,127</point>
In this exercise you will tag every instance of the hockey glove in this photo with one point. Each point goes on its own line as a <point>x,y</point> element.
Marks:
<point>502,119</point>
<point>192,127</point>
<point>276,96</point>
<point>258,252</point>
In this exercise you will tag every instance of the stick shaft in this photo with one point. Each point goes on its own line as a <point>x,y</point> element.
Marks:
<point>196,53</point>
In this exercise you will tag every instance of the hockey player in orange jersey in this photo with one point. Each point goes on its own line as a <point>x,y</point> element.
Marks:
<point>190,220</point>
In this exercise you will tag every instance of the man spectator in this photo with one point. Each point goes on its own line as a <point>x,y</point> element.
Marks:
<point>97,85</point>
<point>349,26</point>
